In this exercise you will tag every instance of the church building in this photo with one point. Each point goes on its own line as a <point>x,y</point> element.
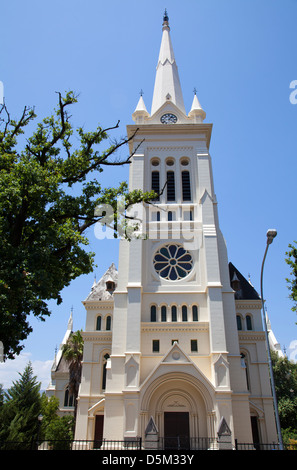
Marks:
<point>173,340</point>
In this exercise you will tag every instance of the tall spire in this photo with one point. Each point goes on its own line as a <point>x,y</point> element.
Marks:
<point>167,83</point>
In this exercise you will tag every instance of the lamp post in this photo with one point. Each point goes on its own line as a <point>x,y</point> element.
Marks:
<point>271,234</point>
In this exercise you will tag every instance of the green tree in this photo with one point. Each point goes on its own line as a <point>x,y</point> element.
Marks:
<point>48,201</point>
<point>73,354</point>
<point>1,397</point>
<point>49,409</point>
<point>291,260</point>
<point>57,430</point>
<point>21,408</point>
<point>285,377</point>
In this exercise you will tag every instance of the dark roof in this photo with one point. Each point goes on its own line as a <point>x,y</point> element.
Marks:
<point>63,366</point>
<point>245,290</point>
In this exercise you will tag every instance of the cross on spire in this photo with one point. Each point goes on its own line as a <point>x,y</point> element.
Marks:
<point>165,17</point>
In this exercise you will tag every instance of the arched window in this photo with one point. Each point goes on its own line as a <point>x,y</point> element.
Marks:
<point>108,323</point>
<point>186,187</point>
<point>156,183</point>
<point>239,322</point>
<point>184,161</point>
<point>195,312</point>
<point>68,399</point>
<point>106,357</point>
<point>98,323</point>
<point>244,365</point>
<point>155,162</point>
<point>163,313</point>
<point>173,313</point>
<point>249,325</point>
<point>184,313</point>
<point>170,186</point>
<point>153,313</point>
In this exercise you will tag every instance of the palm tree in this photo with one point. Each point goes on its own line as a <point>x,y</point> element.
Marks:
<point>73,354</point>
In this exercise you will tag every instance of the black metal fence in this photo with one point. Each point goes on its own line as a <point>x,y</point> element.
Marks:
<point>187,443</point>
<point>260,446</point>
<point>103,444</point>
<point>166,444</point>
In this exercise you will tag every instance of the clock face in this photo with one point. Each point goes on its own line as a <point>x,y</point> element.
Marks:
<point>168,118</point>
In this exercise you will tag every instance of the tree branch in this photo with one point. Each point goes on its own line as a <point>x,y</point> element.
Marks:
<point>97,161</point>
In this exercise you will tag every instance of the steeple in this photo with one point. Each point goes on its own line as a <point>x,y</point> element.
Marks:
<point>167,83</point>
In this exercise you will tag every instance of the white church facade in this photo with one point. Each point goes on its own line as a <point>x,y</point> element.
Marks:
<point>173,339</point>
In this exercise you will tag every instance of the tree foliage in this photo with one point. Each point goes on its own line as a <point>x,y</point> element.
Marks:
<point>48,200</point>
<point>20,409</point>
<point>57,430</point>
<point>285,377</point>
<point>291,260</point>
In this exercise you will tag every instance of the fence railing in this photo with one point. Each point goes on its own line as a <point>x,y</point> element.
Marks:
<point>187,443</point>
<point>163,443</point>
<point>104,444</point>
<point>260,446</point>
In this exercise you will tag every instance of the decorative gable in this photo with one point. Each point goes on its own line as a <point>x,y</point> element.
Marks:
<point>175,355</point>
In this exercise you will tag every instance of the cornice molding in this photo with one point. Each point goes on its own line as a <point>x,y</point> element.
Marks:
<point>176,326</point>
<point>96,336</point>
<point>169,148</point>
<point>251,336</point>
<point>96,305</point>
<point>248,304</point>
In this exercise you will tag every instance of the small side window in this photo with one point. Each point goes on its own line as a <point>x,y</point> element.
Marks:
<point>156,345</point>
<point>194,345</point>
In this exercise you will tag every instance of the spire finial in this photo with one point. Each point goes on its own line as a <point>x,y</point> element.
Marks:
<point>166,19</point>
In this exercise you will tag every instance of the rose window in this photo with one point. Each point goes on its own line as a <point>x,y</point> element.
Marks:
<point>173,262</point>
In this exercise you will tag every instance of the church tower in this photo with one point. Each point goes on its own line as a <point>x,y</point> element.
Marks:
<point>185,349</point>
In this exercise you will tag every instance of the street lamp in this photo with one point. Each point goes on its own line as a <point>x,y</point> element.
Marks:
<point>271,234</point>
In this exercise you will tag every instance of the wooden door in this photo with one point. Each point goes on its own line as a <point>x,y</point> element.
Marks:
<point>98,431</point>
<point>176,430</point>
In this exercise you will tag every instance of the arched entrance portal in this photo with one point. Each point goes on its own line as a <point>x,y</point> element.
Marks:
<point>181,407</point>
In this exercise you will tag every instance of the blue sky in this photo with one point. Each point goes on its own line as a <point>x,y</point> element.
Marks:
<point>240,55</point>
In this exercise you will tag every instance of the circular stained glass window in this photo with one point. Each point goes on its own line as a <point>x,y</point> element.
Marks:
<point>173,262</point>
